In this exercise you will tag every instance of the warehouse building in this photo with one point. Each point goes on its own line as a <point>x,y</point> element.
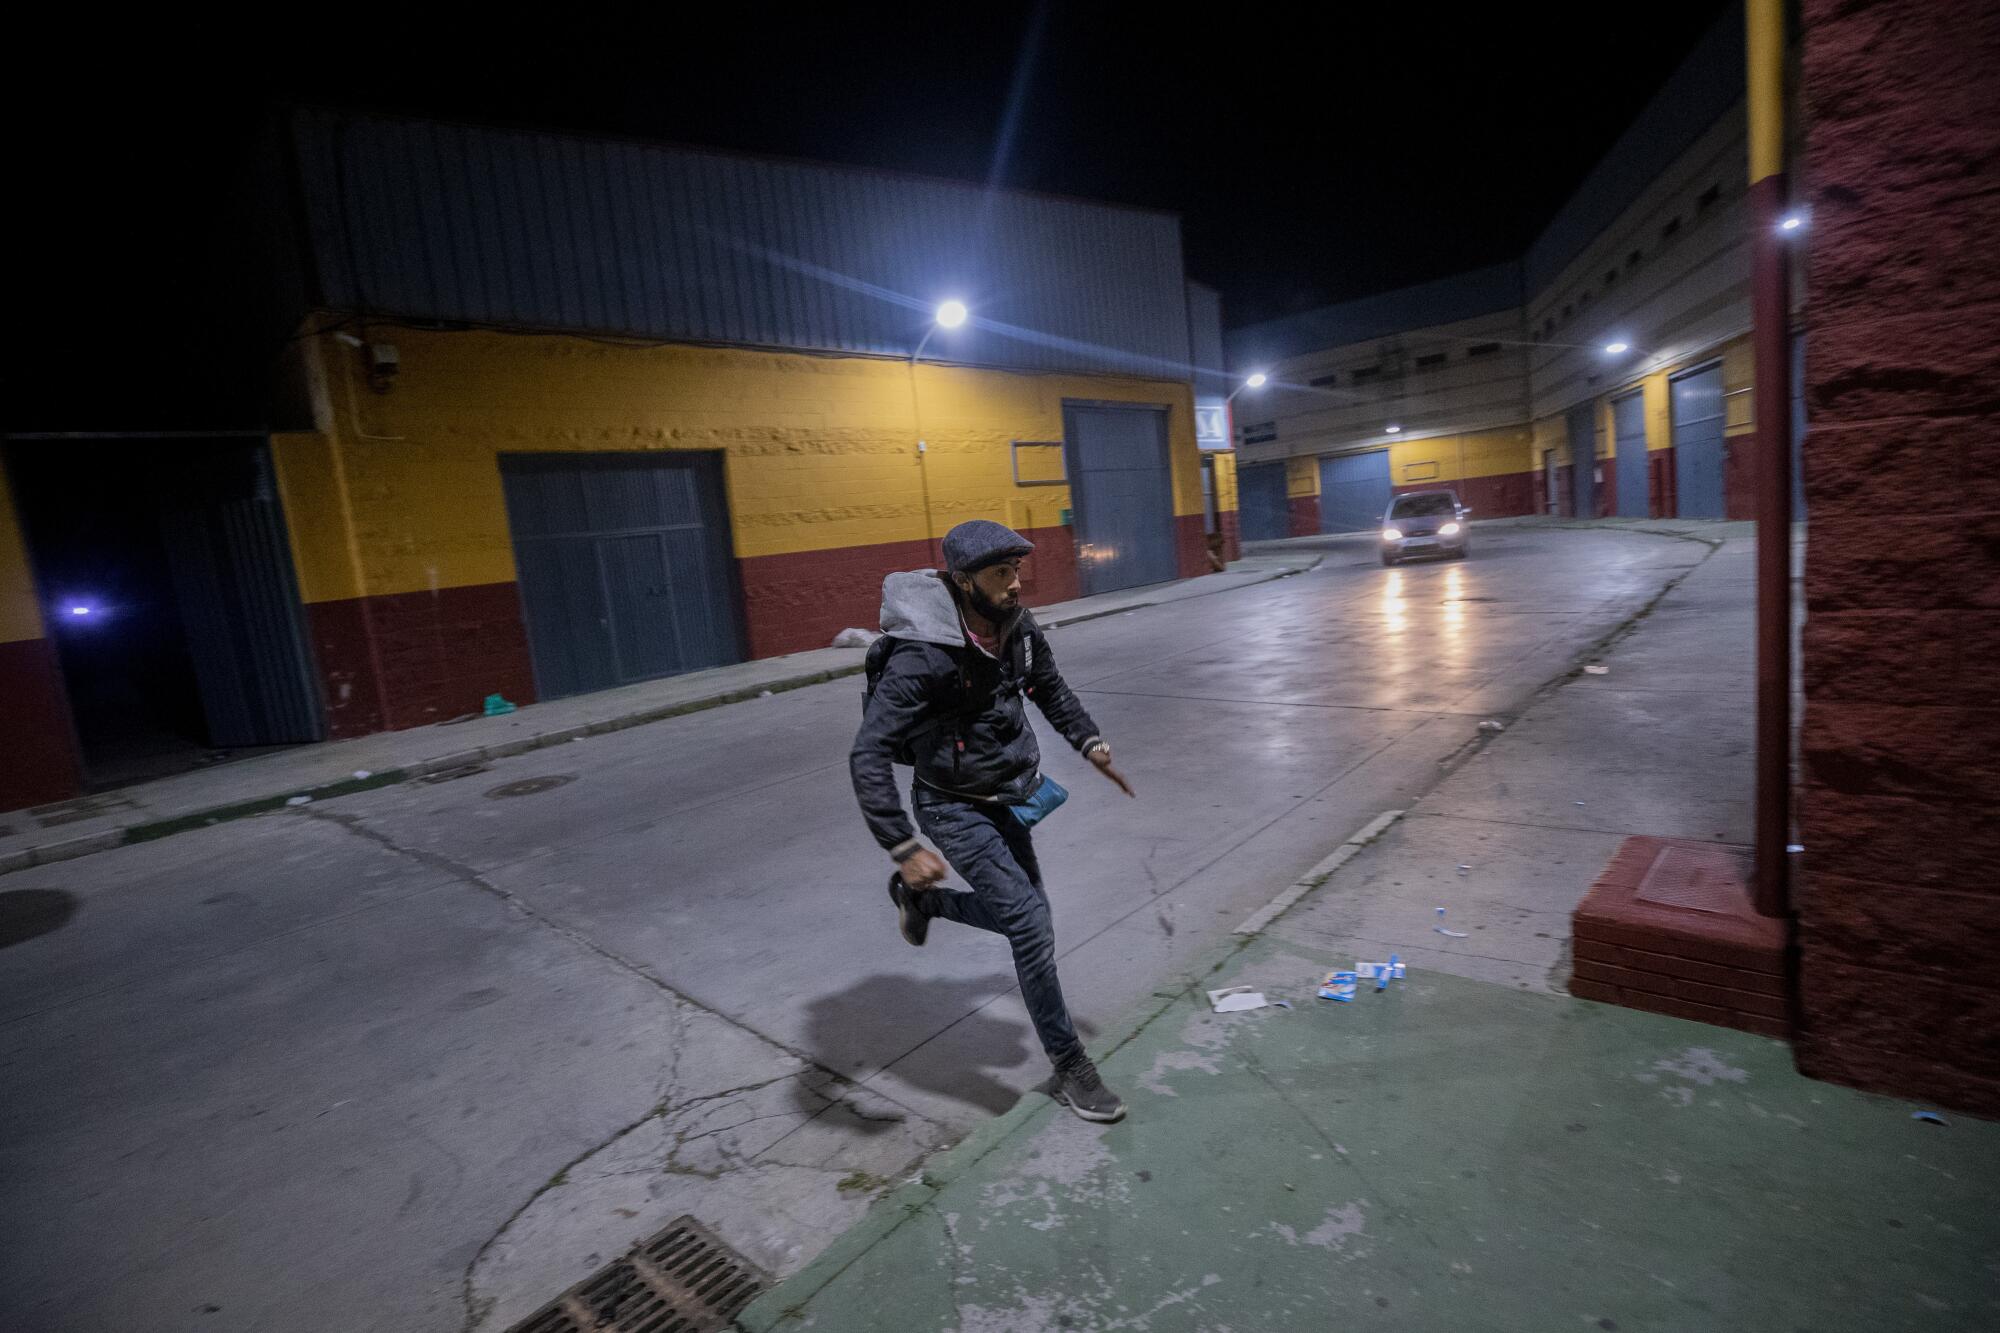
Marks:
<point>1606,371</point>
<point>566,414</point>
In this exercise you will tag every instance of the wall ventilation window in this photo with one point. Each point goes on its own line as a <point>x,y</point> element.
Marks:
<point>1325,381</point>
<point>1632,260</point>
<point>1481,349</point>
<point>1262,433</point>
<point>1708,198</point>
<point>1366,374</point>
<point>1671,230</point>
<point>1430,361</point>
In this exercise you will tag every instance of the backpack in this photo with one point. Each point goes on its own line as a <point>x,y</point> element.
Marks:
<point>877,660</point>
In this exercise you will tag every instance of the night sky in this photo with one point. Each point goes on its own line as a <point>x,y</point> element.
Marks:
<point>1314,152</point>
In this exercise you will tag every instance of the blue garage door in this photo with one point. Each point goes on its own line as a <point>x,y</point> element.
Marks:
<point>1261,502</point>
<point>624,566</point>
<point>1698,421</point>
<point>1628,438</point>
<point>1123,497</point>
<point>1353,491</point>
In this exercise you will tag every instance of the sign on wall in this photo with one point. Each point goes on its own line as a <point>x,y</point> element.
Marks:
<point>1211,423</point>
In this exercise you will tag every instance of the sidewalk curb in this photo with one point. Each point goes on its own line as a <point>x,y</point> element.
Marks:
<point>785,1302</point>
<point>167,826</point>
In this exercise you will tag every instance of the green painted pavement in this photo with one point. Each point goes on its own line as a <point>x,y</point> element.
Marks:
<point>1448,1154</point>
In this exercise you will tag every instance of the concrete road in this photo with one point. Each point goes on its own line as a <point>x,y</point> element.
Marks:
<point>419,1058</point>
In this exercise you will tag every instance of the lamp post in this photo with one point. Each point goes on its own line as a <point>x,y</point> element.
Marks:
<point>949,315</point>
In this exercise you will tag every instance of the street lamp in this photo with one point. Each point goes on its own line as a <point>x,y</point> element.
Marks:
<point>948,315</point>
<point>1256,379</point>
<point>1392,429</point>
<point>1792,222</point>
<point>1616,348</point>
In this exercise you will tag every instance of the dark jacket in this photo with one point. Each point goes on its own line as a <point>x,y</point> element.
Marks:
<point>963,713</point>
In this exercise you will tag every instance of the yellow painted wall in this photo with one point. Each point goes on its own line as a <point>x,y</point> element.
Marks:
<point>1225,481</point>
<point>1301,477</point>
<point>1445,458</point>
<point>1738,377</point>
<point>404,494</point>
<point>20,607</point>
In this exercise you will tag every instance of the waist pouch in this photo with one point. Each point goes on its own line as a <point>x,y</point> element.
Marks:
<point>1049,795</point>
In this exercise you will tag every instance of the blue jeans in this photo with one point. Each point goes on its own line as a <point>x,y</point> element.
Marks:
<point>988,847</point>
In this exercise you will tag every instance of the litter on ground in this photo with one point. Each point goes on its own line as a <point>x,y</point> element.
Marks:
<point>1235,999</point>
<point>1595,669</point>
<point>1339,986</point>
<point>362,775</point>
<point>300,800</point>
<point>1929,1117</point>
<point>1440,928</point>
<point>1491,725</point>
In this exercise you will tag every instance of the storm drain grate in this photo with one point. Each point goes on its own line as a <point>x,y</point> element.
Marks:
<point>452,774</point>
<point>683,1280</point>
<point>531,786</point>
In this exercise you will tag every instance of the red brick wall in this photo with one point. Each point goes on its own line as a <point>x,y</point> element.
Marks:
<point>411,659</point>
<point>1232,534</point>
<point>1506,496</point>
<point>1663,498</point>
<point>794,603</point>
<point>1304,515</point>
<point>37,753</point>
<point>1898,895</point>
<point>1190,545</point>
<point>1739,477</point>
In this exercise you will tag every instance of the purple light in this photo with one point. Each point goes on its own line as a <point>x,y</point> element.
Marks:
<point>79,610</point>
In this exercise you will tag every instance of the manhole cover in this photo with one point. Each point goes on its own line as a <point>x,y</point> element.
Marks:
<point>1704,879</point>
<point>532,786</point>
<point>683,1280</point>
<point>452,774</point>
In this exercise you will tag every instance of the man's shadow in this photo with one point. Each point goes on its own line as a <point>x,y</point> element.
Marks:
<point>880,1019</point>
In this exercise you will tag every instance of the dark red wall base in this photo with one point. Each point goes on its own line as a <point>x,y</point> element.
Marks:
<point>1508,495</point>
<point>1304,515</point>
<point>1232,534</point>
<point>38,762</point>
<point>795,603</point>
<point>1739,477</point>
<point>411,659</point>
<point>1662,501</point>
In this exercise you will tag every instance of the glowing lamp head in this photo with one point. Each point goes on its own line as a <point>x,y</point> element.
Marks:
<point>951,314</point>
<point>1257,380</point>
<point>1392,430</point>
<point>1613,349</point>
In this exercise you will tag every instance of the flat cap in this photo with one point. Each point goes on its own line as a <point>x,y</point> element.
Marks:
<point>972,546</point>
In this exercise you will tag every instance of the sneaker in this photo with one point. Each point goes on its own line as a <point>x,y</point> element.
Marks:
<point>916,927</point>
<point>1080,1089</point>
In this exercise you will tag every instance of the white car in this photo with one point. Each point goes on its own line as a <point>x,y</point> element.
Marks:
<point>1426,523</point>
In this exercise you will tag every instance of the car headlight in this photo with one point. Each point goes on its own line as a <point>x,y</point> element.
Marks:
<point>1391,535</point>
<point>1448,530</point>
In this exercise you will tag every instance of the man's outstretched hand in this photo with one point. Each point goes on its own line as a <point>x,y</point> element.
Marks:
<point>1101,756</point>
<point>923,869</point>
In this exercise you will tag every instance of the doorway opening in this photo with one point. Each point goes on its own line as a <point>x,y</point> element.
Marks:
<point>166,584</point>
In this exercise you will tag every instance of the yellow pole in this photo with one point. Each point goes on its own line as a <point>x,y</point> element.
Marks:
<point>1766,42</point>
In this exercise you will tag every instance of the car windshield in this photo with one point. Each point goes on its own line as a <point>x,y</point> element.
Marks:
<point>1424,506</point>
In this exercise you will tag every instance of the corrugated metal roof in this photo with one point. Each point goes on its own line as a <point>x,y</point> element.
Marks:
<point>1205,337</point>
<point>464,224</point>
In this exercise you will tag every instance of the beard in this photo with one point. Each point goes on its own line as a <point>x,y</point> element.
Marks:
<point>985,606</point>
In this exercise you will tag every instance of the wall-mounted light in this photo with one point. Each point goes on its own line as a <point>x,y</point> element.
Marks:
<point>1392,430</point>
<point>1615,349</point>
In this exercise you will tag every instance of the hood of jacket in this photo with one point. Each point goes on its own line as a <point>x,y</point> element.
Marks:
<point>916,604</point>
